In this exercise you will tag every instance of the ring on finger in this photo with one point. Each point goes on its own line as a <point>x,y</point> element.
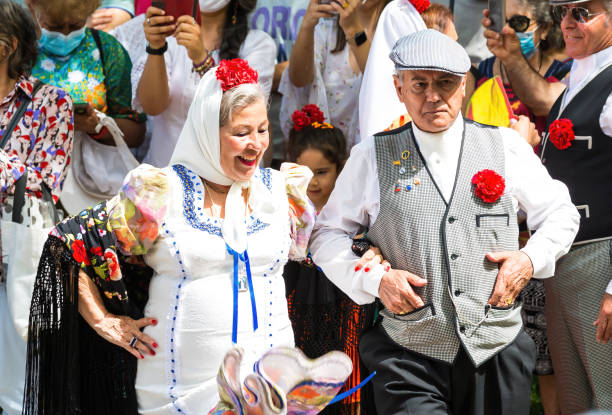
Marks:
<point>509,301</point>
<point>133,341</point>
<point>148,21</point>
<point>345,4</point>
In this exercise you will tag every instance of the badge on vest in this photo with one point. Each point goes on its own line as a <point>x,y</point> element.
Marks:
<point>404,156</point>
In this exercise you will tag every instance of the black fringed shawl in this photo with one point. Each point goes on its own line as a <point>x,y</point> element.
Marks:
<point>70,368</point>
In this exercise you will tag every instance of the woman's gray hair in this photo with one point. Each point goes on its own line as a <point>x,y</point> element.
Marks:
<point>541,10</point>
<point>238,98</point>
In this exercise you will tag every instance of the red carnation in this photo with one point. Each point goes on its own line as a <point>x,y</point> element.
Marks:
<point>561,133</point>
<point>420,5</point>
<point>314,113</point>
<point>234,72</point>
<point>96,250</point>
<point>300,120</point>
<point>79,253</point>
<point>488,185</point>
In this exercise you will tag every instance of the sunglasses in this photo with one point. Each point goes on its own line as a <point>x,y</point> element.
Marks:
<point>519,23</point>
<point>579,14</point>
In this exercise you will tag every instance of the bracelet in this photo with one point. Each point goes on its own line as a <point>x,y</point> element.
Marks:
<point>203,67</point>
<point>99,135</point>
<point>159,52</point>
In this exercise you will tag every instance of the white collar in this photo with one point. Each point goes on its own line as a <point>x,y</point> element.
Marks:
<point>451,136</point>
<point>585,69</point>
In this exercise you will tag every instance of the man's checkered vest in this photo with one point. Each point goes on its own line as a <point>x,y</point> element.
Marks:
<point>446,243</point>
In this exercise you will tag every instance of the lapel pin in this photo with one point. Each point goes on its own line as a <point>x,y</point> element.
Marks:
<point>402,170</point>
<point>405,154</point>
<point>408,188</point>
<point>396,162</point>
<point>397,187</point>
<point>417,182</point>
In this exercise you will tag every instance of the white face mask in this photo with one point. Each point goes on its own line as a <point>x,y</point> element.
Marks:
<point>211,6</point>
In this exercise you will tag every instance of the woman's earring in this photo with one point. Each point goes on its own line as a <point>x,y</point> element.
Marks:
<point>234,18</point>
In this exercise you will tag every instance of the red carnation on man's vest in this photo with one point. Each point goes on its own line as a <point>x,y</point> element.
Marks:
<point>561,133</point>
<point>420,5</point>
<point>488,185</point>
<point>234,72</point>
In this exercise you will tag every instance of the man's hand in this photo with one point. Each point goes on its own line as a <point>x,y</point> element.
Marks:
<point>514,273</point>
<point>396,293</point>
<point>604,320</point>
<point>108,18</point>
<point>504,45</point>
<point>526,129</point>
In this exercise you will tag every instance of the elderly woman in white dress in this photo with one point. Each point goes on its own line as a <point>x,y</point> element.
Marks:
<point>216,231</point>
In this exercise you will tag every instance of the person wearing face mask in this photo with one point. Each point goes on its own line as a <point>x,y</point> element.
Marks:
<point>90,65</point>
<point>576,151</point>
<point>541,44</point>
<point>180,51</point>
<point>215,231</point>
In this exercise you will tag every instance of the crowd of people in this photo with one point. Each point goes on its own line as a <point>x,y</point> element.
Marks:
<point>355,216</point>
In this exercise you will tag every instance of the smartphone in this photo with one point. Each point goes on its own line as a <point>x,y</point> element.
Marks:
<point>178,8</point>
<point>497,14</point>
<point>80,107</point>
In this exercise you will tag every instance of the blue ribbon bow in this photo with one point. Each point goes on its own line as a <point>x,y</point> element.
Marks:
<point>244,257</point>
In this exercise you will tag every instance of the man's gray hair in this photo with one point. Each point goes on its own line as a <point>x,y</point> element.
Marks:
<point>238,98</point>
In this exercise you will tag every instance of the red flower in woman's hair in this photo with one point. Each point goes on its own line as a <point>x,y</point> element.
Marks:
<point>79,253</point>
<point>488,185</point>
<point>420,5</point>
<point>561,133</point>
<point>234,72</point>
<point>314,113</point>
<point>300,120</point>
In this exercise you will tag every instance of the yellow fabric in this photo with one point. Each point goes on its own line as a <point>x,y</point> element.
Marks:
<point>489,104</point>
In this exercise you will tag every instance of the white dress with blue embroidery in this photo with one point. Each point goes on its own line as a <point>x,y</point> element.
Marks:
<point>191,296</point>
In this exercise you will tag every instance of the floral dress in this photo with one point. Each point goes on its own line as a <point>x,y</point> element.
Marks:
<point>334,89</point>
<point>158,214</point>
<point>100,78</point>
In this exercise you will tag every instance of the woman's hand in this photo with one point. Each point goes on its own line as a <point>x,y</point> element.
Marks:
<point>188,35</point>
<point>157,27</point>
<point>107,18</point>
<point>120,330</point>
<point>370,259</point>
<point>314,12</point>
<point>348,20</point>
<point>87,121</point>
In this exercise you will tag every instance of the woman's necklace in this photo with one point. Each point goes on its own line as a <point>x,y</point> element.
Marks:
<point>213,205</point>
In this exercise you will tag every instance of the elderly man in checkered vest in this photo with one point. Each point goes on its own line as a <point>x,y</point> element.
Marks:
<point>440,197</point>
<point>577,150</point>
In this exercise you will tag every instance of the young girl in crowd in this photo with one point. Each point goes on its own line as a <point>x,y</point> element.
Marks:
<point>323,317</point>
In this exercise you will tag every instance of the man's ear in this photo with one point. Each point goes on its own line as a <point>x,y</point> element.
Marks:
<point>398,87</point>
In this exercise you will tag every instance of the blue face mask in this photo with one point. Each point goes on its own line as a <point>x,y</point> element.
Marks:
<point>527,44</point>
<point>60,44</point>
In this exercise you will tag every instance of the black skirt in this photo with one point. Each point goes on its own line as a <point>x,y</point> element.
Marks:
<point>326,319</point>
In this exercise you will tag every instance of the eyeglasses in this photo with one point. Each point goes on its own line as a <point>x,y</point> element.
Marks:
<point>519,23</point>
<point>579,14</point>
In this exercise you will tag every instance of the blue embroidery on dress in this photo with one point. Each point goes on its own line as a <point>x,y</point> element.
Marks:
<point>189,208</point>
<point>266,177</point>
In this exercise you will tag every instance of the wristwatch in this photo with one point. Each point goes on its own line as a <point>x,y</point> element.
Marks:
<point>159,51</point>
<point>359,39</point>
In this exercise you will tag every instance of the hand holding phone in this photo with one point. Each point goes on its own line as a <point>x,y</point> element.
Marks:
<point>497,15</point>
<point>178,8</point>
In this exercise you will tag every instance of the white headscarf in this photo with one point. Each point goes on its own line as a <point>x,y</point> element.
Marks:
<point>199,149</point>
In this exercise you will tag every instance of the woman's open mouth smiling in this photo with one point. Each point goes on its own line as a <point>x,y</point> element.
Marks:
<point>248,161</point>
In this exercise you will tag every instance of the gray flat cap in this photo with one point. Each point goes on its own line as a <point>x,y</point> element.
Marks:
<point>430,50</point>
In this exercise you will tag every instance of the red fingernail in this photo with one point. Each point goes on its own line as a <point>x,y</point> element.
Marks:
<point>154,323</point>
<point>367,269</point>
<point>152,352</point>
<point>155,345</point>
<point>357,268</point>
<point>387,268</point>
<point>141,356</point>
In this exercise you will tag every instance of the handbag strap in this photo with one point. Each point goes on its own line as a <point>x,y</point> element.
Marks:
<point>19,113</point>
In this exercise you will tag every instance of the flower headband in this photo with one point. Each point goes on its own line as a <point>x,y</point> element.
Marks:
<point>234,72</point>
<point>309,115</point>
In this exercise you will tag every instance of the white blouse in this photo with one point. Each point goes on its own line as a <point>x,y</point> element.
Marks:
<point>334,88</point>
<point>191,296</point>
<point>258,49</point>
